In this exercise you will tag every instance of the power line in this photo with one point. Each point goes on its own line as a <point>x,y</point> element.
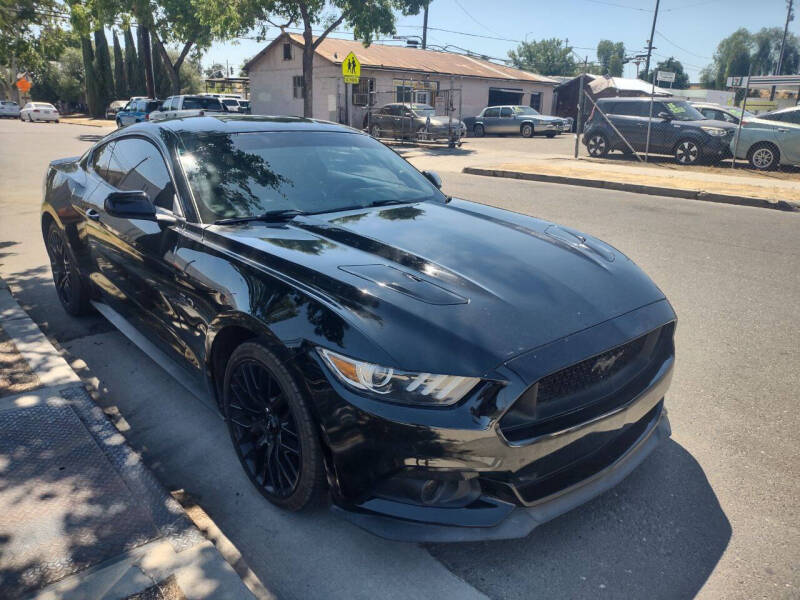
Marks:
<point>681,48</point>
<point>464,10</point>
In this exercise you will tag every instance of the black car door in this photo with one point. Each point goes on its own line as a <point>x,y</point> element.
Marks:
<point>134,260</point>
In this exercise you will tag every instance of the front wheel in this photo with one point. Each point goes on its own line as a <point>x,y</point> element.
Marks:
<point>272,429</point>
<point>597,145</point>
<point>71,290</point>
<point>527,130</point>
<point>688,152</point>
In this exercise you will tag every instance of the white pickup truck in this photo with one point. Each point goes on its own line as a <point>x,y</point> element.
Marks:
<point>176,107</point>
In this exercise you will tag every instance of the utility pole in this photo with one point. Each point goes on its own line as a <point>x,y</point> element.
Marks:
<point>789,17</point>
<point>650,41</point>
<point>579,124</point>
<point>425,28</point>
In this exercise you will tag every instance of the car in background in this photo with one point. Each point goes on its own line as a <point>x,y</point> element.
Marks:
<point>718,112</point>
<point>115,107</point>
<point>767,143</point>
<point>515,120</point>
<point>136,111</point>
<point>233,104</point>
<point>784,115</point>
<point>176,107</point>
<point>9,108</point>
<point>676,128</point>
<point>398,120</point>
<point>39,111</point>
<point>244,107</point>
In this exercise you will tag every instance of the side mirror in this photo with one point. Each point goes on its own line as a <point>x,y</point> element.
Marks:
<point>664,115</point>
<point>130,205</point>
<point>434,178</point>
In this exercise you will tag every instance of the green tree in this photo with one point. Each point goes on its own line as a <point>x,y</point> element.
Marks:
<point>120,81</point>
<point>611,57</point>
<point>673,65</point>
<point>89,76</point>
<point>102,73</point>
<point>133,67</point>
<point>367,19</point>
<point>732,59</point>
<point>160,76</point>
<point>548,57</point>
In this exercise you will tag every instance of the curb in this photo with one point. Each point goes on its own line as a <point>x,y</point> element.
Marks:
<point>68,122</point>
<point>638,188</point>
<point>183,524</point>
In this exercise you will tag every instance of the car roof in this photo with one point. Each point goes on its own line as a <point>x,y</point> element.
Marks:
<point>235,123</point>
<point>784,110</point>
<point>639,99</point>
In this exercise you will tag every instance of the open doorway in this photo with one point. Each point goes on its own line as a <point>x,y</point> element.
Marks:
<point>498,96</point>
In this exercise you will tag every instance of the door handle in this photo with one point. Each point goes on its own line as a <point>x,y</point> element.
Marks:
<point>93,214</point>
<point>782,130</point>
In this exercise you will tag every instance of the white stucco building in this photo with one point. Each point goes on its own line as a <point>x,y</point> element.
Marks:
<point>388,74</point>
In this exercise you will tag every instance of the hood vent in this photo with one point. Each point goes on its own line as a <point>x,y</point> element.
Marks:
<point>405,283</point>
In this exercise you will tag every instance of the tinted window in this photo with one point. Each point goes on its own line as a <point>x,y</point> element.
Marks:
<point>505,111</point>
<point>100,158</point>
<point>204,103</point>
<point>633,109</point>
<point>151,105</point>
<point>680,110</point>
<point>137,165</point>
<point>492,112</point>
<point>785,117</point>
<point>392,110</point>
<point>239,174</point>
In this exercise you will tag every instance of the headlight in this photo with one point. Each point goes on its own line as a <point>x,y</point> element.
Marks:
<point>402,387</point>
<point>715,131</point>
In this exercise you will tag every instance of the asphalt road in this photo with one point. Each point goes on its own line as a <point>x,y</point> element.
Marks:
<point>712,513</point>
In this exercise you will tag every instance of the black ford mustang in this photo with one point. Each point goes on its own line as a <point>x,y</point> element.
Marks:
<point>444,370</point>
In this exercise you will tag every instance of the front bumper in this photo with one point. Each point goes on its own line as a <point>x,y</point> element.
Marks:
<point>515,483</point>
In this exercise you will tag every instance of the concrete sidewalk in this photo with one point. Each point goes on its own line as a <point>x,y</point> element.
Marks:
<point>714,184</point>
<point>87,120</point>
<point>81,517</point>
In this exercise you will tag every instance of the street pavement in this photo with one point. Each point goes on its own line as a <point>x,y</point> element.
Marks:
<point>713,513</point>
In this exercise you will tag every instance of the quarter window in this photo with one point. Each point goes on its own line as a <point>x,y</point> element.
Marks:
<point>137,165</point>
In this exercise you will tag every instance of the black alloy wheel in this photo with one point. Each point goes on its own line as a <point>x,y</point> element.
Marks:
<point>688,152</point>
<point>71,291</point>
<point>597,145</point>
<point>272,429</point>
<point>527,130</point>
<point>479,131</point>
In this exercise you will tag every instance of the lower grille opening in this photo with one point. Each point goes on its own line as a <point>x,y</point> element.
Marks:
<point>588,389</point>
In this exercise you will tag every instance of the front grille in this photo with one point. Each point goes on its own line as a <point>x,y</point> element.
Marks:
<point>589,372</point>
<point>588,389</point>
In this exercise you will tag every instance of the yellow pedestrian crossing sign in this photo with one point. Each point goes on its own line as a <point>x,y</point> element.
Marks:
<point>351,69</point>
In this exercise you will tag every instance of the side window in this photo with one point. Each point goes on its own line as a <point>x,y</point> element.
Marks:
<point>492,112</point>
<point>505,111</point>
<point>708,113</point>
<point>627,109</point>
<point>137,165</point>
<point>393,110</point>
<point>100,158</point>
<point>792,117</point>
<point>167,104</point>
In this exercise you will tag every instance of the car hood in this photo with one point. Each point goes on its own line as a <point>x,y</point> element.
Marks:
<point>455,288</point>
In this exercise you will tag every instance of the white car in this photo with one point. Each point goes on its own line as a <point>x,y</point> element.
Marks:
<point>9,108</point>
<point>39,111</point>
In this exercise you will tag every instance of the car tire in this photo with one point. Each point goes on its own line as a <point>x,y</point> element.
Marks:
<point>72,291</point>
<point>375,131</point>
<point>764,156</point>
<point>551,135</point>
<point>119,124</point>
<point>526,130</point>
<point>688,152</point>
<point>479,131</point>
<point>272,429</point>
<point>597,145</point>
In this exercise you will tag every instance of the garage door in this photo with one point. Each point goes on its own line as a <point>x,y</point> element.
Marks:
<point>504,96</point>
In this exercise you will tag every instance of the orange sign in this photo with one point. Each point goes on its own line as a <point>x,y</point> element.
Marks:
<point>23,85</point>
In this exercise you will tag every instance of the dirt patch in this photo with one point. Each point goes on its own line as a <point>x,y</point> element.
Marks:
<point>15,374</point>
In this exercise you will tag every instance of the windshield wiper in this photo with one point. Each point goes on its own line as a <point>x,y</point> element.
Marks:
<point>387,202</point>
<point>270,216</point>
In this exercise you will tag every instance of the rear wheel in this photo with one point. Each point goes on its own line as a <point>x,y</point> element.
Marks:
<point>272,429</point>
<point>119,124</point>
<point>375,131</point>
<point>688,152</point>
<point>526,130</point>
<point>70,288</point>
<point>597,145</point>
<point>479,131</point>
<point>764,156</point>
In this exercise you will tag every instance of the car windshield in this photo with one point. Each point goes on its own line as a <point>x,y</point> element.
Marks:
<point>230,102</point>
<point>204,103</point>
<point>683,111</point>
<point>423,110</point>
<point>247,174</point>
<point>42,105</point>
<point>525,110</point>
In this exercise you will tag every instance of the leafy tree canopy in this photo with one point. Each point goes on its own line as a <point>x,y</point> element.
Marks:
<point>673,65</point>
<point>611,57</point>
<point>548,57</point>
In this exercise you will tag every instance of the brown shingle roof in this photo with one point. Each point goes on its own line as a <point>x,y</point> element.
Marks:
<point>416,60</point>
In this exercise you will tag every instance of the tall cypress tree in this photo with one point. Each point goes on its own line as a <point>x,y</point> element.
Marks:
<point>160,76</point>
<point>88,69</point>
<point>120,81</point>
<point>132,66</point>
<point>102,68</point>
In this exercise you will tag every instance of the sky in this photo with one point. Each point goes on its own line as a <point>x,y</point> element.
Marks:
<point>689,30</point>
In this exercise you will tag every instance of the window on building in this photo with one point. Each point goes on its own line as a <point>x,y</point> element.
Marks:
<point>299,86</point>
<point>287,51</point>
<point>362,90</point>
<point>536,101</point>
